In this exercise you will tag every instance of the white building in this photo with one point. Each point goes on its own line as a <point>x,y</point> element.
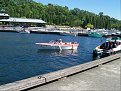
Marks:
<point>5,19</point>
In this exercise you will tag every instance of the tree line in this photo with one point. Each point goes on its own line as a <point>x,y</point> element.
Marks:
<point>58,15</point>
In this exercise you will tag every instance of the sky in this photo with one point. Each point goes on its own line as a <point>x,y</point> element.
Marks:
<point>111,8</point>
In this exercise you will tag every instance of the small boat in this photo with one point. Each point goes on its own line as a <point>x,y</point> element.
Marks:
<point>24,31</point>
<point>58,45</point>
<point>95,34</point>
<point>116,33</point>
<point>111,46</point>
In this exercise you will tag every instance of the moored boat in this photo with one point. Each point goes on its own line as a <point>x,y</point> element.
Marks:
<point>95,34</point>
<point>58,45</point>
<point>24,31</point>
<point>111,46</point>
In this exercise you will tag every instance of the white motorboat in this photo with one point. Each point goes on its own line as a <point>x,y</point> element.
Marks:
<point>59,45</point>
<point>24,31</point>
<point>111,46</point>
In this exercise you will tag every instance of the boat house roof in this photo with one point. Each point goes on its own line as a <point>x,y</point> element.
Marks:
<point>22,20</point>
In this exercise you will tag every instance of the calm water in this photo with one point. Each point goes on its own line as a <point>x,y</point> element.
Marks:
<point>20,58</point>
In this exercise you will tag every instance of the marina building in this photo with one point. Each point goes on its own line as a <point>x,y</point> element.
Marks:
<point>5,19</point>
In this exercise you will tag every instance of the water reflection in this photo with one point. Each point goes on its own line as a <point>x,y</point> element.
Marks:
<point>58,52</point>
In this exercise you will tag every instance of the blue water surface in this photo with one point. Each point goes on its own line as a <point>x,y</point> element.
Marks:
<point>20,58</point>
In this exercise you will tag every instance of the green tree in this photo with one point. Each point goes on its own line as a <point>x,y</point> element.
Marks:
<point>59,15</point>
<point>89,26</point>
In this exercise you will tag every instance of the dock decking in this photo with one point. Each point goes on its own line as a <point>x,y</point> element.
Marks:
<point>106,77</point>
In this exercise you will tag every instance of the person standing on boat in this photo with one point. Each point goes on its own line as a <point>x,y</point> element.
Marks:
<point>114,44</point>
<point>106,45</point>
<point>110,45</point>
<point>56,40</point>
<point>60,40</point>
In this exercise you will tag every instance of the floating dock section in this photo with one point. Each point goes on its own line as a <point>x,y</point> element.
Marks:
<point>45,32</point>
<point>45,78</point>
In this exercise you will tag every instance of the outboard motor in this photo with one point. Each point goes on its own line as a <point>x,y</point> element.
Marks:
<point>94,53</point>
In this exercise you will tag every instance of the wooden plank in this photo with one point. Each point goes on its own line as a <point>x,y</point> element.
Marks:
<point>41,79</point>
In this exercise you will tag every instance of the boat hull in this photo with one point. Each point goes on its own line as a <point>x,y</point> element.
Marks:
<point>94,34</point>
<point>52,46</point>
<point>58,46</point>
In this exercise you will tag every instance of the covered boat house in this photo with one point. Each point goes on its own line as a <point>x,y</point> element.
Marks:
<point>5,19</point>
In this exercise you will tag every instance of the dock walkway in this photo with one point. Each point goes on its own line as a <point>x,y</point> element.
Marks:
<point>105,77</point>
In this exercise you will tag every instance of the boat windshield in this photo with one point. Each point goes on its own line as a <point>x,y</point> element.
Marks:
<point>109,45</point>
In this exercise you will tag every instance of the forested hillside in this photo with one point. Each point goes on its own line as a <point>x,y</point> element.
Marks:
<point>58,15</point>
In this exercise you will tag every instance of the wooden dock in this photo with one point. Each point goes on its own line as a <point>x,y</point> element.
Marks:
<point>45,78</point>
<point>105,77</point>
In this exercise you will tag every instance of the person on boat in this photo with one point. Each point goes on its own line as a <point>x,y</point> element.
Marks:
<point>57,41</point>
<point>115,43</point>
<point>60,40</point>
<point>106,45</point>
<point>110,45</point>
